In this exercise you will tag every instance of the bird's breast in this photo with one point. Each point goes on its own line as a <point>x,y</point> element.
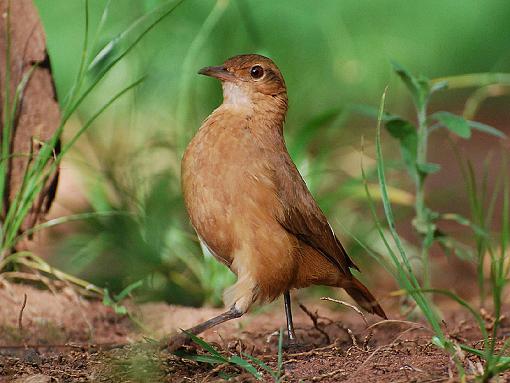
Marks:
<point>226,180</point>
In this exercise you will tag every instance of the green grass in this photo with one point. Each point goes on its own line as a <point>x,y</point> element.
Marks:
<point>214,357</point>
<point>43,165</point>
<point>413,141</point>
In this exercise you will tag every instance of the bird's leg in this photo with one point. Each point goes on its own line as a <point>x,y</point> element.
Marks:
<point>288,312</point>
<point>181,339</point>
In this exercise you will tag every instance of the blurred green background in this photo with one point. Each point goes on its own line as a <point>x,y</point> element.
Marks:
<point>332,53</point>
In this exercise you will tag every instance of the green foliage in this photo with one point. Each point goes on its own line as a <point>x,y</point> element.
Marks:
<point>425,223</point>
<point>405,133</point>
<point>215,357</point>
<point>115,301</point>
<point>278,374</point>
<point>43,165</point>
<point>453,123</point>
<point>418,86</point>
<point>414,148</point>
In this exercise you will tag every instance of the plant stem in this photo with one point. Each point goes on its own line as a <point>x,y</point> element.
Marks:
<point>184,100</point>
<point>422,222</point>
<point>7,127</point>
<point>473,80</point>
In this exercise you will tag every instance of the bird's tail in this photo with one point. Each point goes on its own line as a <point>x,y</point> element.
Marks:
<point>363,297</point>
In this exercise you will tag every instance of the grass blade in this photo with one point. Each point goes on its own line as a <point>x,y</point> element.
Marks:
<point>211,359</point>
<point>15,218</point>
<point>206,346</point>
<point>245,365</point>
<point>125,41</point>
<point>261,364</point>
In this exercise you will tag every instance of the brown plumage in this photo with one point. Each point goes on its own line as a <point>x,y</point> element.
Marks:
<point>247,201</point>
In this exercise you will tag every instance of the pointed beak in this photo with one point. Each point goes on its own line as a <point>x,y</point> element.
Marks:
<point>219,72</point>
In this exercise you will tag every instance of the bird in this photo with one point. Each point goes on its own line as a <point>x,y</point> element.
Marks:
<point>249,205</point>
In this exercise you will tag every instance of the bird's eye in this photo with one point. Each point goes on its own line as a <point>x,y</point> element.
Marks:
<point>256,72</point>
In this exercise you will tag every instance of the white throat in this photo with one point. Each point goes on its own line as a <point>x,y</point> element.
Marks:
<point>235,95</point>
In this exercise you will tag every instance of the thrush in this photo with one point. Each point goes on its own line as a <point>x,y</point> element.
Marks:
<point>250,206</point>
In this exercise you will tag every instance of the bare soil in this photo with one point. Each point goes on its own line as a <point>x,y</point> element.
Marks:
<point>61,337</point>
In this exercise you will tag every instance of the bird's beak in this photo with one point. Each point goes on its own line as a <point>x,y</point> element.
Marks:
<point>219,72</point>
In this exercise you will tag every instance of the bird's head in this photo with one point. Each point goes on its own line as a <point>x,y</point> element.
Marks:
<point>249,81</point>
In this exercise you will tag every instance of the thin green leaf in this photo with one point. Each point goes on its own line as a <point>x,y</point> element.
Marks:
<point>473,350</point>
<point>201,358</point>
<point>8,128</point>
<point>206,346</point>
<point>400,273</point>
<point>406,271</point>
<point>122,44</point>
<point>34,262</point>
<point>461,220</point>
<point>418,86</point>
<point>438,86</point>
<point>484,128</point>
<point>193,52</point>
<point>245,365</point>
<point>455,124</point>
<point>280,353</point>
<point>120,309</point>
<point>405,133</point>
<point>460,250</point>
<point>107,299</point>
<point>473,80</point>
<point>438,342</point>
<point>428,168</point>
<point>261,364</point>
<point>80,75</point>
<point>128,290</point>
<point>67,219</point>
<point>464,304</point>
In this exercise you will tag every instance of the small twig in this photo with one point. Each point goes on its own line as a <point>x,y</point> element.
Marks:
<point>367,339</point>
<point>353,338</point>
<point>390,321</point>
<point>410,367</point>
<point>270,336</point>
<point>316,351</point>
<point>101,346</point>
<point>20,316</point>
<point>385,347</point>
<point>294,360</point>
<point>315,320</point>
<point>348,330</point>
<point>348,305</point>
<point>214,371</point>
<point>326,375</point>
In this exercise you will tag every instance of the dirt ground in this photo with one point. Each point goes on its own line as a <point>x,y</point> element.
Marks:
<point>61,337</point>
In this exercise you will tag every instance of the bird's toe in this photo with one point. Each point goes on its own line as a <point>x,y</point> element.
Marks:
<point>176,342</point>
<point>292,345</point>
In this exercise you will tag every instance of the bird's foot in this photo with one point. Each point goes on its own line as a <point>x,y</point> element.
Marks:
<point>175,342</point>
<point>292,345</point>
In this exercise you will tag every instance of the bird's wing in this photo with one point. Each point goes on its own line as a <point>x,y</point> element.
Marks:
<point>301,216</point>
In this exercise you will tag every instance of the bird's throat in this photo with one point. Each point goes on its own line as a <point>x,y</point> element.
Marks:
<point>236,95</point>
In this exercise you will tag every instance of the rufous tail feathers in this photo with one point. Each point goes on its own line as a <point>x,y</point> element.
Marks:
<point>363,297</point>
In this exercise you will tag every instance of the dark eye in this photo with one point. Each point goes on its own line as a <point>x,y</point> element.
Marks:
<point>256,72</point>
